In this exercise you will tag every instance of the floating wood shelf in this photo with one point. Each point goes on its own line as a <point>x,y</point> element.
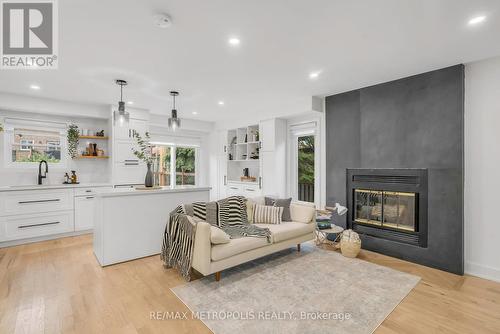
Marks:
<point>93,137</point>
<point>92,157</point>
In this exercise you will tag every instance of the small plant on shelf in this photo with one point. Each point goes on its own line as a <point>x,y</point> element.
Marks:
<point>72,136</point>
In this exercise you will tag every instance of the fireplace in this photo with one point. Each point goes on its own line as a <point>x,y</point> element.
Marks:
<point>389,204</point>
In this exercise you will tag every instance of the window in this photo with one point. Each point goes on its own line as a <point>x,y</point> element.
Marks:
<point>162,170</point>
<point>184,160</point>
<point>185,166</point>
<point>26,145</point>
<point>29,142</point>
<point>304,156</point>
<point>305,168</point>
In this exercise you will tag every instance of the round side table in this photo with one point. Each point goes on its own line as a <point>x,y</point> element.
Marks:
<point>321,235</point>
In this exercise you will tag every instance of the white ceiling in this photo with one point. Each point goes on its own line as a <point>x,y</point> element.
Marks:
<point>352,43</point>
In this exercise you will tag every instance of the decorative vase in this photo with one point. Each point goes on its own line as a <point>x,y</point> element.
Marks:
<point>148,182</point>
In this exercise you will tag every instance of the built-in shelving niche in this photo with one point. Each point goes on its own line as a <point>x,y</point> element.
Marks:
<point>243,146</point>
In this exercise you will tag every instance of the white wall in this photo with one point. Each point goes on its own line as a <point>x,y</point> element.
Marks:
<point>482,165</point>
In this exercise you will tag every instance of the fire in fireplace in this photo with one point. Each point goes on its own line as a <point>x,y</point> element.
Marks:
<point>388,203</point>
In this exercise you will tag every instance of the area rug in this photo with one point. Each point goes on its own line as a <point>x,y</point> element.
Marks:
<point>314,291</point>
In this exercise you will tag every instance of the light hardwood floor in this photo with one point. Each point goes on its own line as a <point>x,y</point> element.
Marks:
<point>58,287</point>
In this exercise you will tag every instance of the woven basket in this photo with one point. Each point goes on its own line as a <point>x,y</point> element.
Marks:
<point>350,248</point>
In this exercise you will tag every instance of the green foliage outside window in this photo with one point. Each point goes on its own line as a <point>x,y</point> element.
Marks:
<point>306,159</point>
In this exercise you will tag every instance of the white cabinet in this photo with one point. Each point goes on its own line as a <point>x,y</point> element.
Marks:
<point>36,225</point>
<point>35,201</point>
<point>129,173</point>
<point>123,152</point>
<point>127,169</point>
<point>243,189</point>
<point>84,213</point>
<point>126,132</point>
<point>267,135</point>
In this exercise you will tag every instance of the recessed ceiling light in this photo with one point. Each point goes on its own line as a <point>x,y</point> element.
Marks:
<point>477,20</point>
<point>233,41</point>
<point>130,102</point>
<point>221,103</point>
<point>313,75</point>
<point>35,87</point>
<point>195,113</point>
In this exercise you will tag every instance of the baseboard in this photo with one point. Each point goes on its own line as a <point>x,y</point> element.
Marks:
<point>42,238</point>
<point>482,271</point>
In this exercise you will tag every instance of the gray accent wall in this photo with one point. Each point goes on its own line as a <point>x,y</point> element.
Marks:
<point>415,122</point>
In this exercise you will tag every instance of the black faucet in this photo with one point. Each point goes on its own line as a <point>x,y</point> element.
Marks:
<point>40,176</point>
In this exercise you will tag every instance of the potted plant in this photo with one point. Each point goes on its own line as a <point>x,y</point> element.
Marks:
<point>73,136</point>
<point>144,153</point>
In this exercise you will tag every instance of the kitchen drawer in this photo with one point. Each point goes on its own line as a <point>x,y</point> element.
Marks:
<point>89,191</point>
<point>129,173</point>
<point>251,190</point>
<point>234,190</point>
<point>35,201</point>
<point>36,225</point>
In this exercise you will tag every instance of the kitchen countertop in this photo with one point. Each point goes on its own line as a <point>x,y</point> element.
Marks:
<point>54,186</point>
<point>115,192</point>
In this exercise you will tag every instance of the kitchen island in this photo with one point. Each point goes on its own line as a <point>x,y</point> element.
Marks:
<point>129,223</point>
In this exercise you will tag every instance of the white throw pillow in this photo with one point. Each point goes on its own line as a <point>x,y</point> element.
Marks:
<point>266,214</point>
<point>218,236</point>
<point>302,213</point>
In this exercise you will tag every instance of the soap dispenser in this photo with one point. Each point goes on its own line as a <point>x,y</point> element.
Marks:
<point>74,178</point>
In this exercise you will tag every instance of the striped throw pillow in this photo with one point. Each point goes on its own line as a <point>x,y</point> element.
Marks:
<point>265,214</point>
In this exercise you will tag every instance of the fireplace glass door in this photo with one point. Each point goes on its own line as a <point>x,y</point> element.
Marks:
<point>386,209</point>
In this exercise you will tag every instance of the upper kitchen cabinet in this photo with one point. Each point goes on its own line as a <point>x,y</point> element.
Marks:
<point>138,123</point>
<point>272,134</point>
<point>127,132</point>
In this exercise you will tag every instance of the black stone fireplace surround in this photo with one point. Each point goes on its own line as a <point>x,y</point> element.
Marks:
<point>392,181</point>
<point>411,123</point>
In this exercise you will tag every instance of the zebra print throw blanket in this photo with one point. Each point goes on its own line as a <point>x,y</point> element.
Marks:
<point>228,214</point>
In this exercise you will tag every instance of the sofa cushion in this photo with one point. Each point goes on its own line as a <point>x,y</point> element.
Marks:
<point>266,214</point>
<point>287,230</point>
<point>218,236</point>
<point>302,213</point>
<point>237,246</point>
<point>282,203</point>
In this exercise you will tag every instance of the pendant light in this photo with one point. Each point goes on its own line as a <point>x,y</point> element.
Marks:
<point>173,121</point>
<point>122,116</point>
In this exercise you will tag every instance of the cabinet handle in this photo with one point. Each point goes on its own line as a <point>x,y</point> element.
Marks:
<point>129,133</point>
<point>260,182</point>
<point>40,201</point>
<point>225,180</point>
<point>234,188</point>
<point>225,149</point>
<point>89,197</point>
<point>88,191</point>
<point>260,145</point>
<point>35,225</point>
<point>250,189</point>
<point>131,164</point>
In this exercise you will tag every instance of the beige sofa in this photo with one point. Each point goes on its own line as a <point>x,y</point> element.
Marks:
<point>211,258</point>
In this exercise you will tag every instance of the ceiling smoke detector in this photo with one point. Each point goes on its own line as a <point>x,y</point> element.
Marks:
<point>162,20</point>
